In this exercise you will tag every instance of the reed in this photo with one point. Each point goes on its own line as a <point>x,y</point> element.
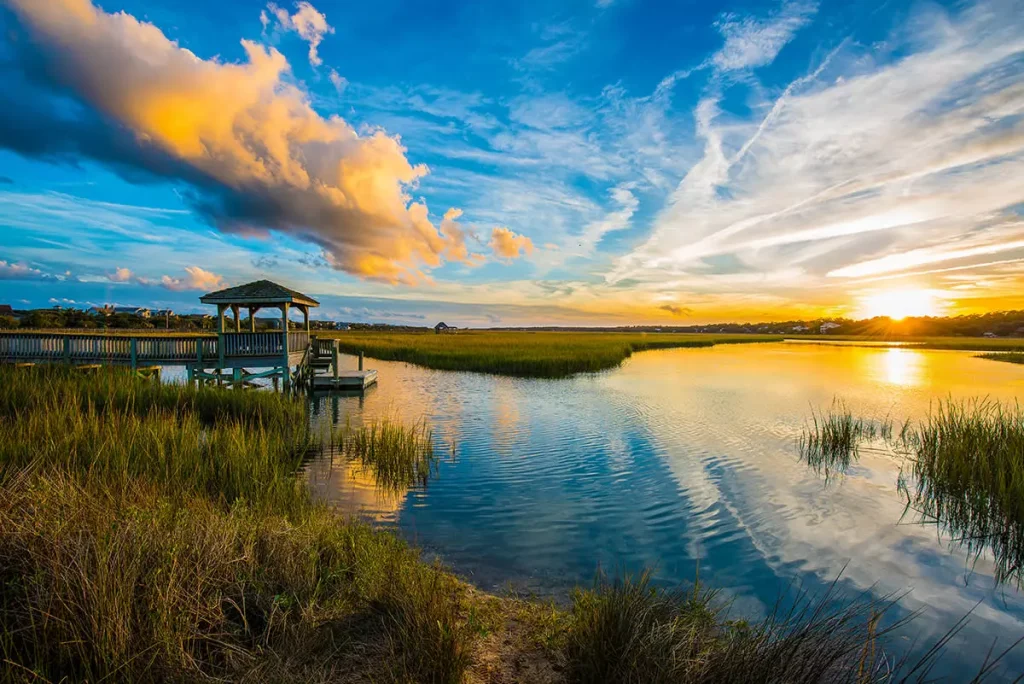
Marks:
<point>1007,357</point>
<point>832,441</point>
<point>629,631</point>
<point>397,455</point>
<point>966,475</point>
<point>162,534</point>
<point>524,354</point>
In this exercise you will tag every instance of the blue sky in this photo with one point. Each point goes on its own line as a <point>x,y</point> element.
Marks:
<point>607,162</point>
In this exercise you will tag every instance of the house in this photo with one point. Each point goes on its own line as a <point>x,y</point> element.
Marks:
<point>799,328</point>
<point>163,313</point>
<point>104,310</point>
<point>443,327</point>
<point>139,311</point>
<point>341,326</point>
<point>990,334</point>
<point>828,325</point>
<point>6,310</point>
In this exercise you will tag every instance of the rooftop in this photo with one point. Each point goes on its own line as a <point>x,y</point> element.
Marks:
<point>258,292</point>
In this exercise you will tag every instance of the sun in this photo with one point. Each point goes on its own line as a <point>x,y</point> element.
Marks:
<point>899,304</point>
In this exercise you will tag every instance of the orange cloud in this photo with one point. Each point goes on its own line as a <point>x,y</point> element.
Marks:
<point>509,245</point>
<point>120,275</point>
<point>196,279</point>
<point>252,152</point>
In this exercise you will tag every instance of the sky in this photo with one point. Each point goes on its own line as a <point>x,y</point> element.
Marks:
<point>593,162</point>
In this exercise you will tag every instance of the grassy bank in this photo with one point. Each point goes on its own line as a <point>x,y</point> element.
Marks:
<point>523,354</point>
<point>163,534</point>
<point>962,470</point>
<point>1007,357</point>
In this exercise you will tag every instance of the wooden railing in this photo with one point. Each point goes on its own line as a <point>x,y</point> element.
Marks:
<point>146,350</point>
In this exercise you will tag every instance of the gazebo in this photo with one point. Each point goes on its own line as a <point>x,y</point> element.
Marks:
<point>276,351</point>
<point>261,294</point>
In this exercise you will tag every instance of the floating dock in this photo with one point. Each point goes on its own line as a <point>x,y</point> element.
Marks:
<point>345,380</point>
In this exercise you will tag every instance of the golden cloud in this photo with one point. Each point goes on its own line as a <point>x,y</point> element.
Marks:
<point>196,279</point>
<point>252,152</point>
<point>509,245</point>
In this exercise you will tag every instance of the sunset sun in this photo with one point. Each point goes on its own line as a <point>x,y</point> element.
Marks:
<point>900,304</point>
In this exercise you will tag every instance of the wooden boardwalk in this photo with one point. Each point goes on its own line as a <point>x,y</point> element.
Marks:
<point>224,351</point>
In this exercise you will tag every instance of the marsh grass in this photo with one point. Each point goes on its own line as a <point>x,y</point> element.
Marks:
<point>832,441</point>
<point>524,354</point>
<point>1007,357</point>
<point>966,475</point>
<point>629,631</point>
<point>398,456</point>
<point>164,535</point>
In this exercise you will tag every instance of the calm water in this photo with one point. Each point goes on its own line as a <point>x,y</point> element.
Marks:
<point>683,457</point>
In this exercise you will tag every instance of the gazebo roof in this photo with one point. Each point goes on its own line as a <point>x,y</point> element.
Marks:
<point>257,294</point>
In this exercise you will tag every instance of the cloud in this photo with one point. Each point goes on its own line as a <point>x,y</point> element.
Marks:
<point>676,310</point>
<point>339,81</point>
<point>19,271</point>
<point>508,245</point>
<point>120,275</point>
<point>248,149</point>
<point>752,42</point>
<point>308,22</point>
<point>867,164</point>
<point>196,279</point>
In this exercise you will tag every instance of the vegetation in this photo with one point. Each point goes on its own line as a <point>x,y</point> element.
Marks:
<point>833,439</point>
<point>1008,357</point>
<point>398,456</point>
<point>164,535</point>
<point>966,475</point>
<point>541,355</point>
<point>963,471</point>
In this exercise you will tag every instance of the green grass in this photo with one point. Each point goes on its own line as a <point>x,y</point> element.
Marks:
<point>966,475</point>
<point>166,536</point>
<point>928,342</point>
<point>398,456</point>
<point>523,354</point>
<point>1008,357</point>
<point>833,439</point>
<point>962,470</point>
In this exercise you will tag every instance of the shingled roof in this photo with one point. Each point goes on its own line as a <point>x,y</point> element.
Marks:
<point>259,292</point>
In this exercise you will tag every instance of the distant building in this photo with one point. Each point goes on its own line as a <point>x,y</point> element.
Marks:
<point>828,325</point>
<point>990,334</point>
<point>443,327</point>
<point>163,313</point>
<point>341,326</point>
<point>139,311</point>
<point>799,328</point>
<point>6,310</point>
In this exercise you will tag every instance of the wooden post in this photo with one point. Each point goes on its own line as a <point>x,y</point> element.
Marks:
<point>238,322</point>
<point>286,362</point>
<point>133,346</point>
<point>252,320</point>
<point>220,318</point>
<point>360,360</point>
<point>67,349</point>
<point>335,357</point>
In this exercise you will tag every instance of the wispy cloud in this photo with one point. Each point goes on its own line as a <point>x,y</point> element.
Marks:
<point>753,41</point>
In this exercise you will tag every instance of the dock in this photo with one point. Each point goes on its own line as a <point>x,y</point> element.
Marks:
<point>234,356</point>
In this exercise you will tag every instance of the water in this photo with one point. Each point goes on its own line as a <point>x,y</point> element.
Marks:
<point>679,458</point>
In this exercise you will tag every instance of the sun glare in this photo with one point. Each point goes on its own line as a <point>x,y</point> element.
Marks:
<point>899,304</point>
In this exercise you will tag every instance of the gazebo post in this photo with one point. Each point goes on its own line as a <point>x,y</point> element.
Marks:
<point>238,322</point>
<point>252,318</point>
<point>286,370</point>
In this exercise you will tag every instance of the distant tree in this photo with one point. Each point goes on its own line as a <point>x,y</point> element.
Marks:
<point>8,323</point>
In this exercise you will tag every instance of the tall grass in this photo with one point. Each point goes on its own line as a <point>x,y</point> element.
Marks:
<point>628,631</point>
<point>159,534</point>
<point>1008,357</point>
<point>524,354</point>
<point>966,475</point>
<point>833,439</point>
<point>398,456</point>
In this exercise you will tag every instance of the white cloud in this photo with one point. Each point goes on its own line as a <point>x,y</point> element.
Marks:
<point>120,275</point>
<point>859,166</point>
<point>308,22</point>
<point>753,42</point>
<point>19,271</point>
